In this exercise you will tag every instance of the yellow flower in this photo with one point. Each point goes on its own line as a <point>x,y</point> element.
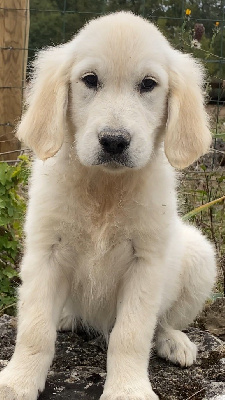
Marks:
<point>188,11</point>
<point>217,23</point>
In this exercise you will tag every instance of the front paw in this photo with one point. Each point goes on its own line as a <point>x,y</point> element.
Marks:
<point>8,393</point>
<point>14,387</point>
<point>126,396</point>
<point>129,393</point>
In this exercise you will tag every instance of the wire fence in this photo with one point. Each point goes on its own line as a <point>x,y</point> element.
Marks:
<point>194,26</point>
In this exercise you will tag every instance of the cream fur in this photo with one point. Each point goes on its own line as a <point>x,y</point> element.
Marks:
<point>106,245</point>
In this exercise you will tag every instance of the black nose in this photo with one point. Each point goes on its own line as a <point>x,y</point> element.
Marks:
<point>114,142</point>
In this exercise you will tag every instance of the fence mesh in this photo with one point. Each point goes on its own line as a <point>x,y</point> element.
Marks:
<point>194,26</point>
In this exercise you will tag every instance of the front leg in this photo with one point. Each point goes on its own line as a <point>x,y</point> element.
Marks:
<point>130,340</point>
<point>42,296</point>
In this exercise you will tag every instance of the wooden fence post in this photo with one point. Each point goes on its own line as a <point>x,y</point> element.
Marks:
<point>14,34</point>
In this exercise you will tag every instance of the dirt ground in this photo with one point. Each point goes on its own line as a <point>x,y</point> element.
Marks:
<point>79,368</point>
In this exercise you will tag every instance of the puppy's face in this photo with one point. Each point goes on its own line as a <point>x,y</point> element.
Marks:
<point>128,89</point>
<point>119,93</point>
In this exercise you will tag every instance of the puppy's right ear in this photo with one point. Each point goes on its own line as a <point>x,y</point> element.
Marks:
<point>43,125</point>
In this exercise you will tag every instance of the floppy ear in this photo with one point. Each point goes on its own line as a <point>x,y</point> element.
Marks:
<point>187,133</point>
<point>43,125</point>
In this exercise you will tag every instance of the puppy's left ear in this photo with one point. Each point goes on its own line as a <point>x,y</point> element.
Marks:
<point>187,132</point>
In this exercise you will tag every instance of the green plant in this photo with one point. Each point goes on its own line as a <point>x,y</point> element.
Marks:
<point>13,180</point>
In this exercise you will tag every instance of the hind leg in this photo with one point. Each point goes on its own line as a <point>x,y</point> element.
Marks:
<point>67,320</point>
<point>197,278</point>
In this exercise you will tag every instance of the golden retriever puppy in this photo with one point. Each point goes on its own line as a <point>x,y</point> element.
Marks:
<point>107,114</point>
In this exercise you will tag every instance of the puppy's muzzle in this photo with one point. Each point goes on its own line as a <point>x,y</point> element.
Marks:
<point>114,141</point>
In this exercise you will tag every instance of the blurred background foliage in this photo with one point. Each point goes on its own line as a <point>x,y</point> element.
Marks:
<point>56,21</point>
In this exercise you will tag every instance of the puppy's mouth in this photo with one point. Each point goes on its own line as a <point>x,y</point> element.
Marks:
<point>114,162</point>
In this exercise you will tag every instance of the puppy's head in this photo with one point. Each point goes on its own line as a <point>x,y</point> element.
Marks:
<point>127,86</point>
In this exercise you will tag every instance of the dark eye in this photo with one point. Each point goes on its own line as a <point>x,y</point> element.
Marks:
<point>91,80</point>
<point>148,84</point>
